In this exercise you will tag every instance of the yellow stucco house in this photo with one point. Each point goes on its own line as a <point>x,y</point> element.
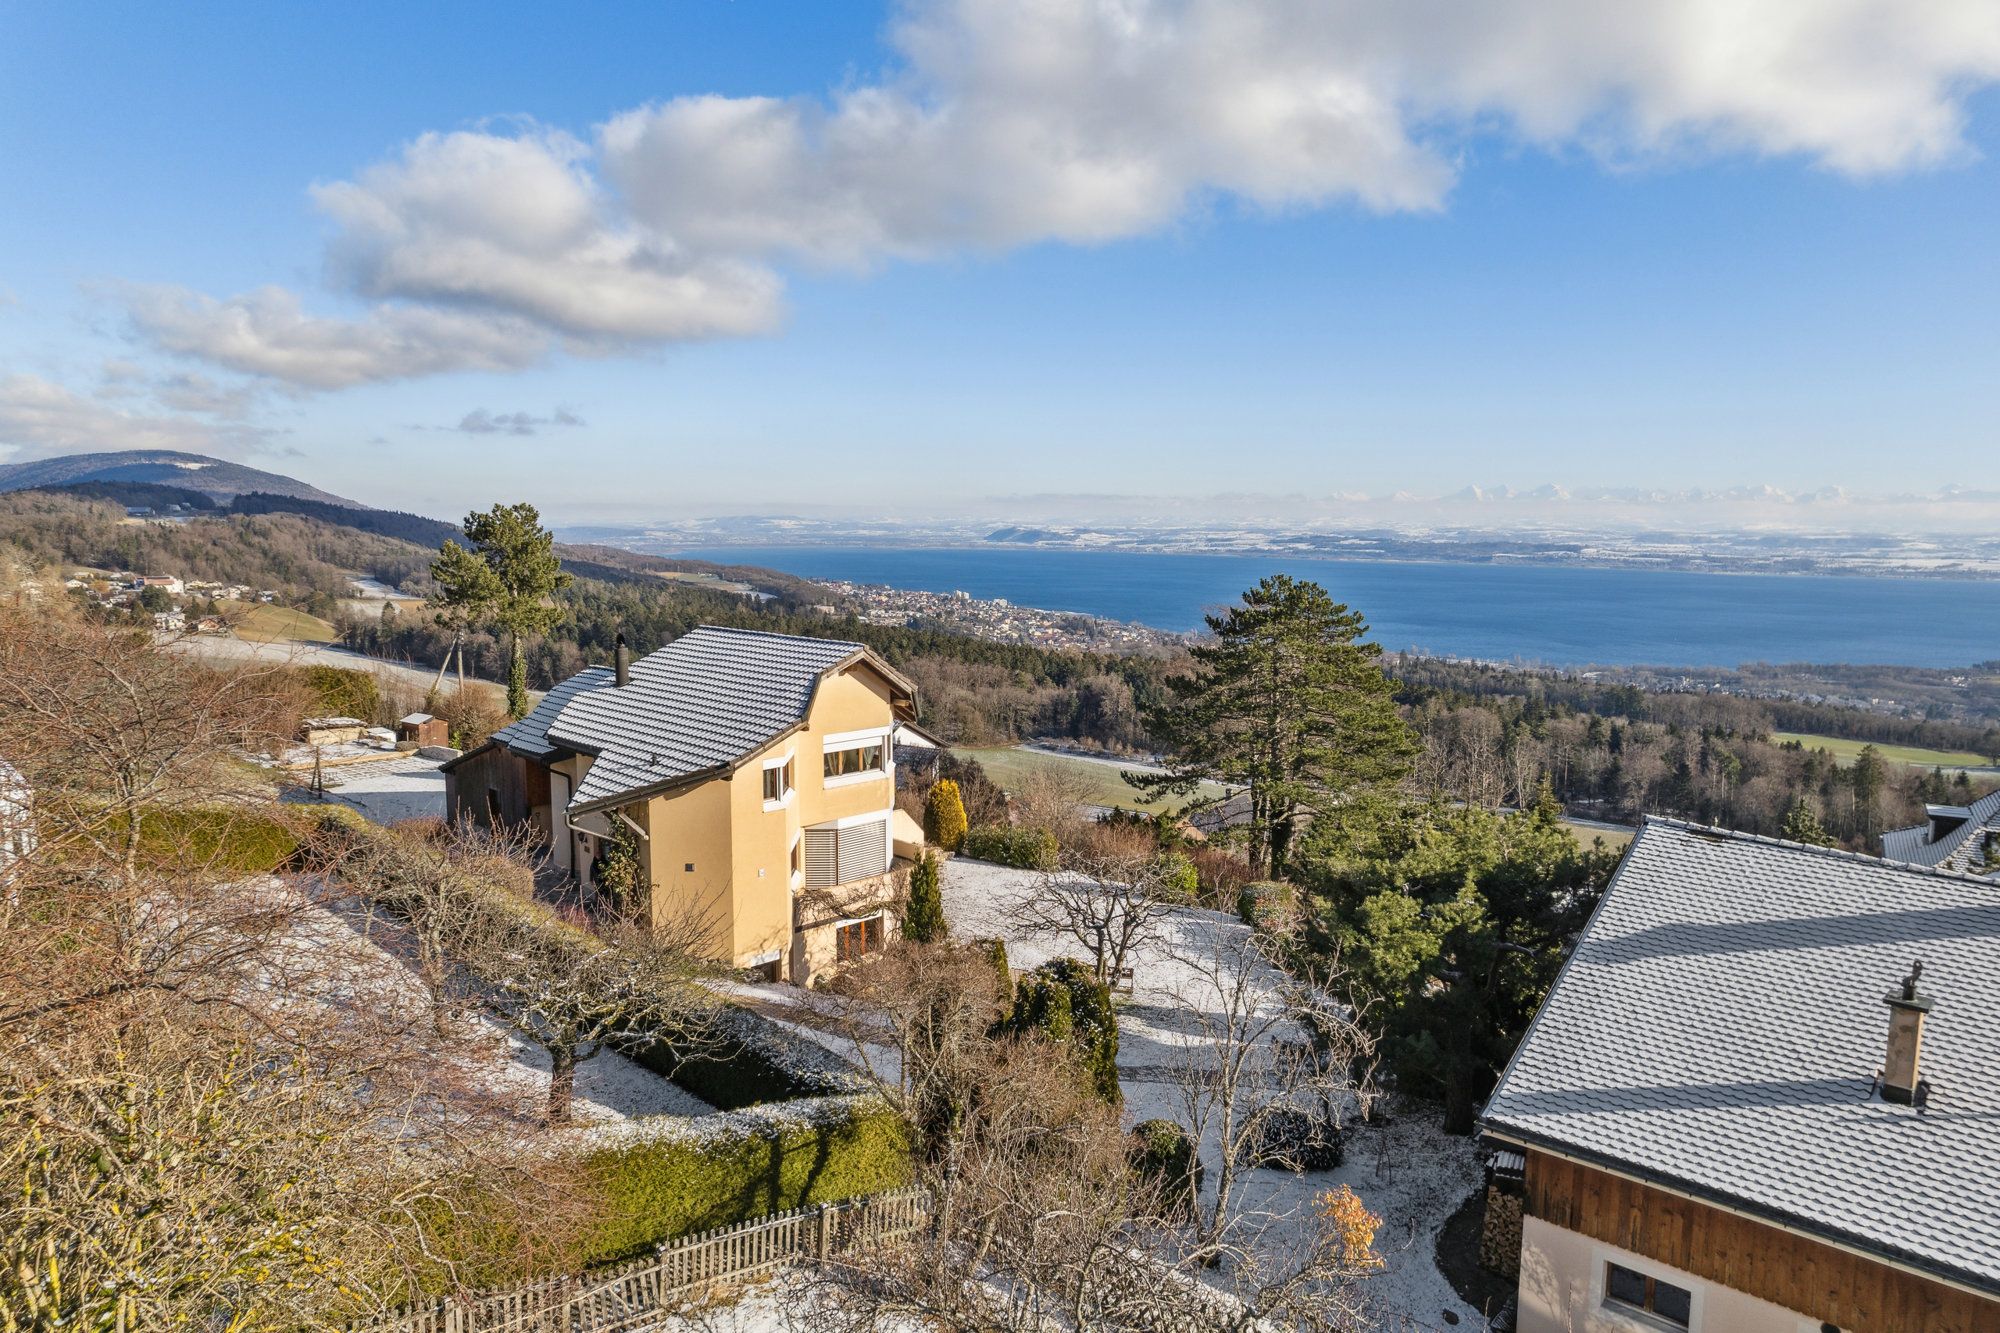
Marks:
<point>757,772</point>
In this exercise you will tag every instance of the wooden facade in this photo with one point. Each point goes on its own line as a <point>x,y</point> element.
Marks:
<point>489,782</point>
<point>1797,1272</point>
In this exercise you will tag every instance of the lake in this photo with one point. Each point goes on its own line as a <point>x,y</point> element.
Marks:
<point>1560,615</point>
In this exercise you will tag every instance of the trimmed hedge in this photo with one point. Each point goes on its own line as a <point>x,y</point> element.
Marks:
<point>239,839</point>
<point>1004,844</point>
<point>1265,901</point>
<point>750,1061</point>
<point>343,692</point>
<point>656,1180</point>
<point>1163,1154</point>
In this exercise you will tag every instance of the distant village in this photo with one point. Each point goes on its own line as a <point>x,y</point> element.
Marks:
<point>997,619</point>
<point>171,601</point>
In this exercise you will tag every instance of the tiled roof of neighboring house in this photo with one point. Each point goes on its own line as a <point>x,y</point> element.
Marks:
<point>530,735</point>
<point>1721,1023</point>
<point>1963,848</point>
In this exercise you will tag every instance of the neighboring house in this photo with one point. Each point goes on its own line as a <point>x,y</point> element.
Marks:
<point>1952,837</point>
<point>168,581</point>
<point>1739,1109</point>
<point>755,770</point>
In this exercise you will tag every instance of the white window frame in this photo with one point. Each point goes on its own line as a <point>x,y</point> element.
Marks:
<point>791,782</point>
<point>886,817</point>
<point>858,740</point>
<point>1623,1316</point>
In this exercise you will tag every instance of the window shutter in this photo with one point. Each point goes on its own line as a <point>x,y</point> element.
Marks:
<point>821,860</point>
<point>864,850</point>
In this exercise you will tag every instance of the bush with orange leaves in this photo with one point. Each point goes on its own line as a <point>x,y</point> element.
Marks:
<point>1349,1231</point>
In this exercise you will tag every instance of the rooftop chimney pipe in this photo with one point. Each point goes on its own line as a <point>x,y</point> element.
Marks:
<point>1907,1010</point>
<point>621,662</point>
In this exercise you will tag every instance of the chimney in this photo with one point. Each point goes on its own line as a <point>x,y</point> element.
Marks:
<point>1907,1010</point>
<point>621,662</point>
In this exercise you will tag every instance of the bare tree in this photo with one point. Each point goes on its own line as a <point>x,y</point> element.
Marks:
<point>461,901</point>
<point>211,1113</point>
<point>1110,903</point>
<point>107,728</point>
<point>1277,1067</point>
<point>1039,1220</point>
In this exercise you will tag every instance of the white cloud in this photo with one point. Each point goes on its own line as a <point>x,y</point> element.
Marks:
<point>40,418</point>
<point>518,225</point>
<point>266,332</point>
<point>1010,122</point>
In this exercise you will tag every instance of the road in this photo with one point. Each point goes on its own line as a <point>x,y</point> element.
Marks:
<point>309,654</point>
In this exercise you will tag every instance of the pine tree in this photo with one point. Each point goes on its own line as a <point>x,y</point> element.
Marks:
<point>466,591</point>
<point>1288,702</point>
<point>1802,825</point>
<point>924,920</point>
<point>944,816</point>
<point>527,575</point>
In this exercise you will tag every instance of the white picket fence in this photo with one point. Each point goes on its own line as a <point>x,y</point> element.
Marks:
<point>638,1292</point>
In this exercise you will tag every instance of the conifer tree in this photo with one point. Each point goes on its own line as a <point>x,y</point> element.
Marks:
<point>1289,703</point>
<point>527,574</point>
<point>944,816</point>
<point>1802,825</point>
<point>924,920</point>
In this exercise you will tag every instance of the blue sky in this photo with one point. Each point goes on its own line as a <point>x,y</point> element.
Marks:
<point>1281,258</point>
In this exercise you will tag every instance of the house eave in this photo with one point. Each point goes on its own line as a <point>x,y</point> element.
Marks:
<point>1916,1266</point>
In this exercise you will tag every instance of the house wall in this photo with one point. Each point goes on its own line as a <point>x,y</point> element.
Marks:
<point>742,882</point>
<point>692,827</point>
<point>1745,1274</point>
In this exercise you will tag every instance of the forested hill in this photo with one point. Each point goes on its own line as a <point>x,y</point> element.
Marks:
<point>217,478</point>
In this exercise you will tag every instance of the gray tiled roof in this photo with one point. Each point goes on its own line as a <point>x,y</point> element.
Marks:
<point>705,700</point>
<point>1721,1022</point>
<point>1964,848</point>
<point>530,735</point>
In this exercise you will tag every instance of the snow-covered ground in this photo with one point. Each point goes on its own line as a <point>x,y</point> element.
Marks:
<point>1407,1171</point>
<point>385,790</point>
<point>362,959</point>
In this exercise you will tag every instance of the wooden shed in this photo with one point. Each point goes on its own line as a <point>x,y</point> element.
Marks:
<point>423,729</point>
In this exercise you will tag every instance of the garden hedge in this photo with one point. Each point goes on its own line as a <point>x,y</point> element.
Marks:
<point>659,1178</point>
<point>1004,844</point>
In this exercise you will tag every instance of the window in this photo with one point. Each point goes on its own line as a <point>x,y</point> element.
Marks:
<point>855,760</point>
<point>841,854</point>
<point>1663,1300</point>
<point>798,855</point>
<point>777,782</point>
<point>856,938</point>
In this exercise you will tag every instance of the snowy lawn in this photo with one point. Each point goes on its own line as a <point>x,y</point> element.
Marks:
<point>385,791</point>
<point>1408,1172</point>
<point>368,960</point>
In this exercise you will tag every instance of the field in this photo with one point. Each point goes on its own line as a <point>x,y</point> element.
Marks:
<point>279,624</point>
<point>1098,781</point>
<point>1844,751</point>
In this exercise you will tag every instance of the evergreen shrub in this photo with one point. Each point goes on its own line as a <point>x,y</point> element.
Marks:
<point>1007,845</point>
